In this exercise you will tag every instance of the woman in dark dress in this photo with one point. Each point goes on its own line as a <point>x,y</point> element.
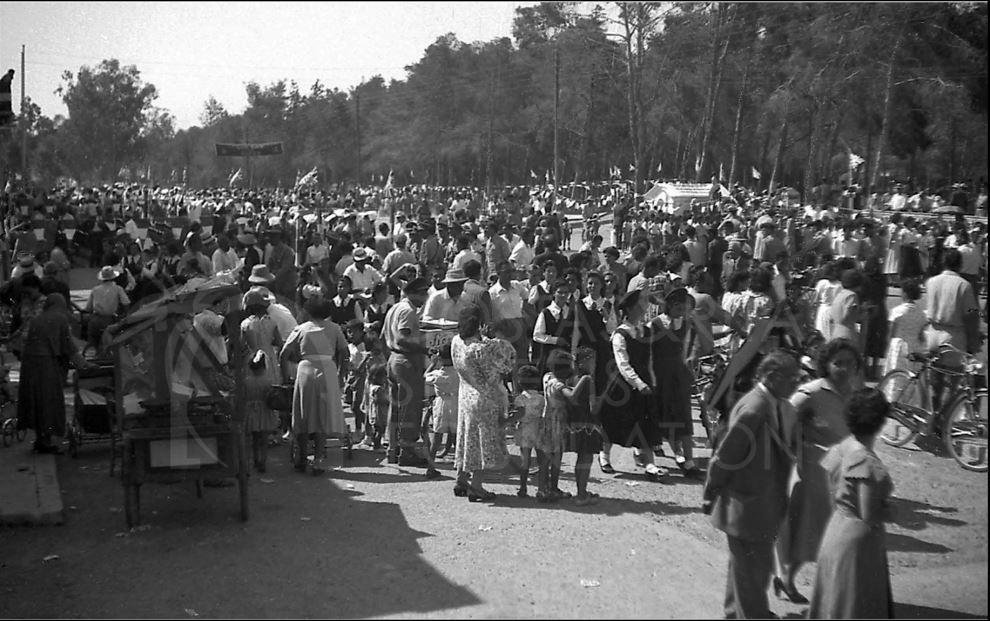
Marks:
<point>48,351</point>
<point>628,408</point>
<point>873,298</point>
<point>673,377</point>
<point>554,325</point>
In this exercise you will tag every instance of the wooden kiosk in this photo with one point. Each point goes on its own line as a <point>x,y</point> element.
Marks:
<point>177,402</point>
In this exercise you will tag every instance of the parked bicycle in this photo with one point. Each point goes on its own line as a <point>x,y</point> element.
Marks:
<point>961,421</point>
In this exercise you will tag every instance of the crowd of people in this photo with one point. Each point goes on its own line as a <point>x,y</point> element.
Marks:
<point>562,346</point>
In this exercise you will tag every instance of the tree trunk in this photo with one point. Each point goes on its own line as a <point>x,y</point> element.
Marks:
<point>885,124</point>
<point>780,155</point>
<point>825,169</point>
<point>817,122</point>
<point>719,50</point>
<point>867,186</point>
<point>737,130</point>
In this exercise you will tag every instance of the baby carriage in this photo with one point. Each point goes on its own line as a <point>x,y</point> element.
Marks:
<point>93,416</point>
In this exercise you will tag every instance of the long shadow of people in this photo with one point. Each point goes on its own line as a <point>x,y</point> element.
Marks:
<point>912,611</point>
<point>914,515</point>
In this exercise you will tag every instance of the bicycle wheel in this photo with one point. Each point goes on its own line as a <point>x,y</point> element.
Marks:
<point>965,431</point>
<point>901,390</point>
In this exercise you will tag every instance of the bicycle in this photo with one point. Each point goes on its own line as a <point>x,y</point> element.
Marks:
<point>707,370</point>
<point>961,421</point>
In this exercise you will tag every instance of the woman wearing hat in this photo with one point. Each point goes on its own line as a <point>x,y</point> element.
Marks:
<point>628,411</point>
<point>48,350</point>
<point>317,407</point>
<point>261,335</point>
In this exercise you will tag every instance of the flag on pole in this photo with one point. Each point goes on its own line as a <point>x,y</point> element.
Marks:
<point>721,171</point>
<point>388,184</point>
<point>659,166</point>
<point>755,173</point>
<point>237,176</point>
<point>697,164</point>
<point>411,175</point>
<point>309,179</point>
<point>295,184</point>
<point>632,168</point>
<point>533,174</point>
<point>547,176</point>
<point>855,160</point>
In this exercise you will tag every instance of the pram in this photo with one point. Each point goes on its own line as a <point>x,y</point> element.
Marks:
<point>93,416</point>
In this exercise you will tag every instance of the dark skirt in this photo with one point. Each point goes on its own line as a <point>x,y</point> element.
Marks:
<point>583,439</point>
<point>674,398</point>
<point>910,263</point>
<point>629,418</point>
<point>40,402</point>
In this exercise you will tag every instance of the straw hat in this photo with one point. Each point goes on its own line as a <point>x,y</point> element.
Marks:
<point>260,274</point>
<point>455,275</point>
<point>108,272</point>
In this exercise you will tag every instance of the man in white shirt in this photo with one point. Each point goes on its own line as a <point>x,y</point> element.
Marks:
<point>363,276</point>
<point>447,303</point>
<point>593,248</point>
<point>317,251</point>
<point>224,257</point>
<point>523,252</point>
<point>507,297</point>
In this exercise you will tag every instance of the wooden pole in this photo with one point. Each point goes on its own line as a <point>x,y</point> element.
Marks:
<point>23,119</point>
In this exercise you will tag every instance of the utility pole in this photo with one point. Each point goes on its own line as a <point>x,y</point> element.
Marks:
<point>23,119</point>
<point>556,132</point>
<point>491,138</point>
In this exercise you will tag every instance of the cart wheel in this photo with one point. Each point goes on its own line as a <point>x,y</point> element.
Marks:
<point>8,431</point>
<point>132,504</point>
<point>72,435</point>
<point>199,488</point>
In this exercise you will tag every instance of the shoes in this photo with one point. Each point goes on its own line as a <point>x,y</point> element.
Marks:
<point>788,592</point>
<point>433,473</point>
<point>587,499</point>
<point>366,444</point>
<point>460,490</point>
<point>545,497</point>
<point>522,493</point>
<point>392,458</point>
<point>606,467</point>
<point>480,495</point>
<point>655,472</point>
<point>639,459</point>
<point>412,460</point>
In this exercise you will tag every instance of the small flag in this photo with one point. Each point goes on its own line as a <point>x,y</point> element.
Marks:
<point>411,175</point>
<point>697,164</point>
<point>632,168</point>
<point>855,160</point>
<point>724,191</point>
<point>755,173</point>
<point>659,166</point>
<point>547,176</point>
<point>721,171</point>
<point>533,174</point>
<point>388,184</point>
<point>237,176</point>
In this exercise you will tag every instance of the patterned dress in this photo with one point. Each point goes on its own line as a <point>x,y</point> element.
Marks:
<point>445,383</point>
<point>825,291</point>
<point>552,431</point>
<point>482,400</point>
<point>527,434</point>
<point>907,323</point>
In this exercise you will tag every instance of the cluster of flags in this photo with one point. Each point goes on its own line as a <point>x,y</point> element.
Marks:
<point>237,176</point>
<point>307,180</point>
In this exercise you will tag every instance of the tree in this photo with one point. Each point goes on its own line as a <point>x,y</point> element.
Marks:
<point>213,112</point>
<point>108,110</point>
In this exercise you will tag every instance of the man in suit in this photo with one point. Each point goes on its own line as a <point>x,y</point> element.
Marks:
<point>746,489</point>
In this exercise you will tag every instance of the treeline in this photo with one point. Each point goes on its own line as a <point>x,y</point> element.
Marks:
<point>678,90</point>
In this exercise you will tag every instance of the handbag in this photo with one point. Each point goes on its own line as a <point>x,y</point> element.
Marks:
<point>279,397</point>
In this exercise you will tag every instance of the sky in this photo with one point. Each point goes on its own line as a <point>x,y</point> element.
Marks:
<point>192,50</point>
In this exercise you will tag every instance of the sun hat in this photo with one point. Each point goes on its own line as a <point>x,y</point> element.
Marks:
<point>361,255</point>
<point>416,285</point>
<point>254,297</point>
<point>261,274</point>
<point>25,258</point>
<point>455,275</point>
<point>108,272</point>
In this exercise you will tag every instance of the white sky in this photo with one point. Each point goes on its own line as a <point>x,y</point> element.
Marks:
<point>191,50</point>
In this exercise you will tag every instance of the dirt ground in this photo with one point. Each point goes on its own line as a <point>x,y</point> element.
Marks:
<point>372,540</point>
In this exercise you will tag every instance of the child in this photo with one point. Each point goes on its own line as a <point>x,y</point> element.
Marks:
<point>530,403</point>
<point>551,446</point>
<point>446,384</point>
<point>376,404</point>
<point>354,390</point>
<point>261,420</point>
<point>584,434</point>
<point>907,328</point>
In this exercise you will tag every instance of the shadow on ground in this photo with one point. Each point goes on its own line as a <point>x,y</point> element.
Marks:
<point>311,549</point>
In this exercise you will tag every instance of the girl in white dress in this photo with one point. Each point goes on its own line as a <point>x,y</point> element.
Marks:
<point>825,291</point>
<point>907,329</point>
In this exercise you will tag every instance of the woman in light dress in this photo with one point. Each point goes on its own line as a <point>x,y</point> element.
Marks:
<point>907,329</point>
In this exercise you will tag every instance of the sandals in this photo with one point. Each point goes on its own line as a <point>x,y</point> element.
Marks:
<point>606,467</point>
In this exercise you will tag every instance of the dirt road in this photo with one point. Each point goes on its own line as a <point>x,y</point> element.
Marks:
<point>372,540</point>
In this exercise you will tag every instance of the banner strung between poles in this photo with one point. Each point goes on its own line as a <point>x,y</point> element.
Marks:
<point>246,149</point>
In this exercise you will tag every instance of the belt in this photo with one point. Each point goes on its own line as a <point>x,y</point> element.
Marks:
<point>399,351</point>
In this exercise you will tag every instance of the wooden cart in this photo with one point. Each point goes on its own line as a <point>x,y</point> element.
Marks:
<point>178,405</point>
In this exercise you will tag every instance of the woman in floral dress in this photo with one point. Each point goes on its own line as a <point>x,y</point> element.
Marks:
<point>482,402</point>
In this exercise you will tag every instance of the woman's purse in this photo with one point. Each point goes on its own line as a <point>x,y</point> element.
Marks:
<point>279,397</point>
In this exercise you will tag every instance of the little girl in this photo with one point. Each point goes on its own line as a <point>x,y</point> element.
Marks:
<point>446,384</point>
<point>530,404</point>
<point>261,420</point>
<point>376,403</point>
<point>375,357</point>
<point>560,366</point>
<point>907,328</point>
<point>583,434</point>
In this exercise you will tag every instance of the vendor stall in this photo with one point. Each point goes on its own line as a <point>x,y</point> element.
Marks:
<point>676,198</point>
<point>177,395</point>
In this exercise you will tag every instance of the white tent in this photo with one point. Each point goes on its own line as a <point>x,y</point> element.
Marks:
<point>676,197</point>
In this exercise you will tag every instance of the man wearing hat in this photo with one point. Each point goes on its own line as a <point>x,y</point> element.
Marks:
<point>363,276</point>
<point>446,304</point>
<point>406,366</point>
<point>26,265</point>
<point>106,301</point>
<point>282,263</point>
